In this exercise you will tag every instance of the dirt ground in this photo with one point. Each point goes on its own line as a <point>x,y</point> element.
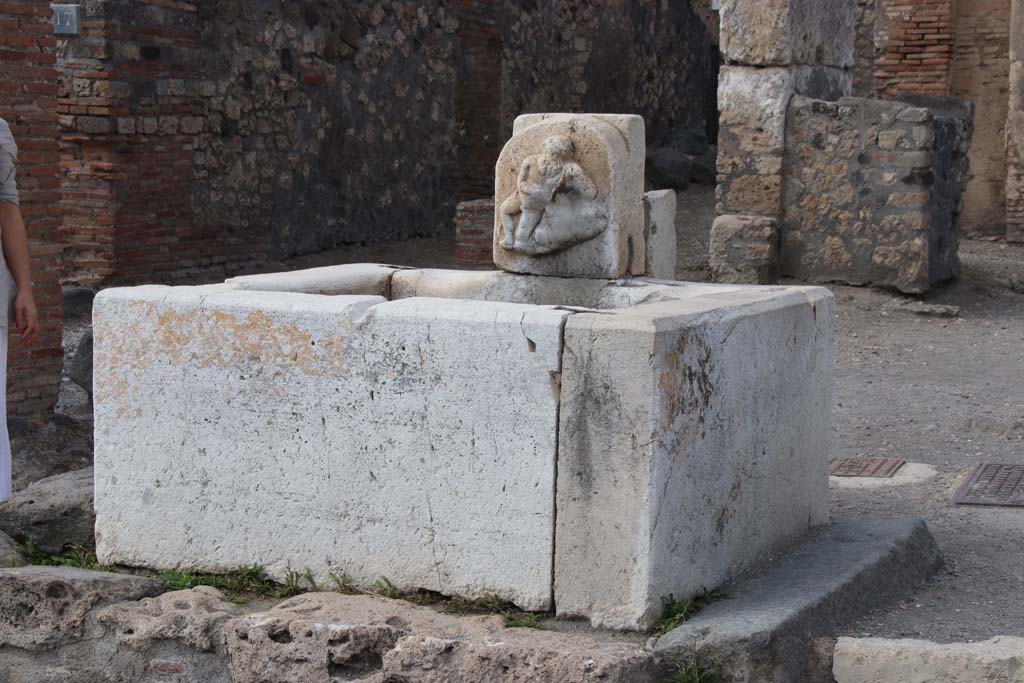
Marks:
<point>948,392</point>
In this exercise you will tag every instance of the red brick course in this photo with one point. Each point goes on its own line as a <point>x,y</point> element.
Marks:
<point>28,103</point>
<point>474,230</point>
<point>916,53</point>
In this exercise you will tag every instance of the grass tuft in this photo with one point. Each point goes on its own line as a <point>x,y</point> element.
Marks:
<point>237,585</point>
<point>74,556</point>
<point>518,619</point>
<point>677,612</point>
<point>694,671</point>
<point>383,586</point>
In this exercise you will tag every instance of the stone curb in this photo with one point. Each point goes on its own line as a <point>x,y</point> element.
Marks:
<point>878,660</point>
<point>763,631</point>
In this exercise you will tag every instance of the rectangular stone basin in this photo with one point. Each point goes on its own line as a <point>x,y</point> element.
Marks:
<point>588,446</point>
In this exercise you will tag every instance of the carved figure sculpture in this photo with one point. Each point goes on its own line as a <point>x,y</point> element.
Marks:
<point>555,201</point>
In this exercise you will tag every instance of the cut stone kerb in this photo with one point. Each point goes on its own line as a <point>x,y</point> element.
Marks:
<point>609,149</point>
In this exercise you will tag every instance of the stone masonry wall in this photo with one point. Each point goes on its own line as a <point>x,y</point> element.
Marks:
<point>655,59</point>
<point>872,191</point>
<point>206,138</point>
<point>28,93</point>
<point>1015,129</point>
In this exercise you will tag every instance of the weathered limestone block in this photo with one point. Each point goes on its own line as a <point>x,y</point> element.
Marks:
<point>878,660</point>
<point>44,607</point>
<point>744,249</point>
<point>52,512</point>
<point>779,33</point>
<point>660,234</point>
<point>1015,128</point>
<point>693,441</point>
<point>785,32</point>
<point>411,439</point>
<point>311,637</point>
<point>752,107</point>
<point>567,192</point>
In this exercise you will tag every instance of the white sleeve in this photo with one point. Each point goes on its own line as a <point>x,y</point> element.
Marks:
<point>8,157</point>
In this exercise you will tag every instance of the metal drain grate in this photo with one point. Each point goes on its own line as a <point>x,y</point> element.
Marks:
<point>864,467</point>
<point>993,484</point>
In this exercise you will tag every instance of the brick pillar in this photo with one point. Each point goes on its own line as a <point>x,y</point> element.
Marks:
<point>474,232</point>
<point>28,101</point>
<point>1015,129</point>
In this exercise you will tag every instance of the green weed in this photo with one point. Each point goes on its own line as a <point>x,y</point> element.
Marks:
<point>675,613</point>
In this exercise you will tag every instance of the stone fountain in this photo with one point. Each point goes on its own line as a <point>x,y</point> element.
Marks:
<point>575,431</point>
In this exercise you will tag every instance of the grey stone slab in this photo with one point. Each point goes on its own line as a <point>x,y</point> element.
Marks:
<point>763,631</point>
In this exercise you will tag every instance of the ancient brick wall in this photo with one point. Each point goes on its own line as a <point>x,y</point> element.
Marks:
<point>129,108</point>
<point>203,139</point>
<point>206,138</point>
<point>917,47</point>
<point>28,101</point>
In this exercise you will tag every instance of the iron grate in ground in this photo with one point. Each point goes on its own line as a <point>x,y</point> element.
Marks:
<point>993,484</point>
<point>864,467</point>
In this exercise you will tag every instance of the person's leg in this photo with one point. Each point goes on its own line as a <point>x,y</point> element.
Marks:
<point>5,442</point>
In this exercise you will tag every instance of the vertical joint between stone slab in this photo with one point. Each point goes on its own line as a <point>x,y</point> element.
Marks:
<point>557,377</point>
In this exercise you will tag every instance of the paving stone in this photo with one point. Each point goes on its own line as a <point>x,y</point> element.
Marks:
<point>878,660</point>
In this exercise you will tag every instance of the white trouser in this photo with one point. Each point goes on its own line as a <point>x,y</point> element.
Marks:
<point>5,442</point>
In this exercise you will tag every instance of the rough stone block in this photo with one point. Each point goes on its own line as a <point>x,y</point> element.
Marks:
<point>43,607</point>
<point>693,441</point>
<point>412,439</point>
<point>752,106</point>
<point>784,32</point>
<point>352,636</point>
<point>660,234</point>
<point>744,249</point>
<point>879,660</point>
<point>52,512</point>
<point>568,195</point>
